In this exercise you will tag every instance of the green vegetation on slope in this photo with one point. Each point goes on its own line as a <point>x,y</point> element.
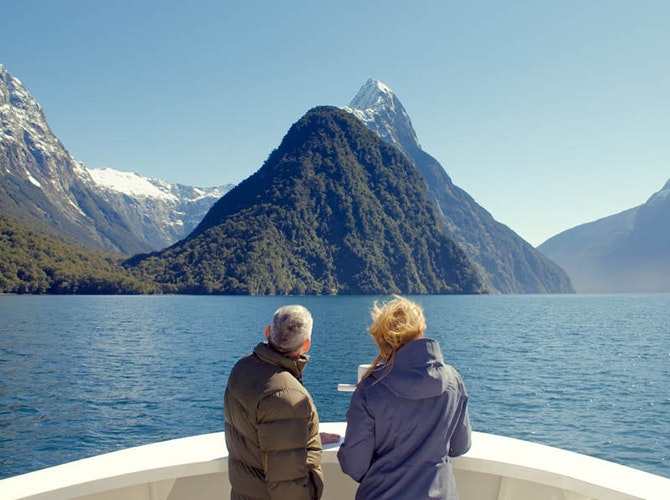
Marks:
<point>31,262</point>
<point>334,210</point>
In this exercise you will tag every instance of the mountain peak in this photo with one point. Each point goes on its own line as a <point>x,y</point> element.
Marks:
<point>380,110</point>
<point>42,184</point>
<point>506,262</point>
<point>373,95</point>
<point>660,196</point>
<point>333,210</point>
<point>21,113</point>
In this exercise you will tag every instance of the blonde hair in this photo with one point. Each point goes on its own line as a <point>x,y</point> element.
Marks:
<point>394,324</point>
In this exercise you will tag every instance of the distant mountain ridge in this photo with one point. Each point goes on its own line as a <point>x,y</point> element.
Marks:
<point>625,252</point>
<point>369,247</point>
<point>161,212</point>
<point>506,262</point>
<point>40,182</point>
<point>42,185</point>
<point>333,210</point>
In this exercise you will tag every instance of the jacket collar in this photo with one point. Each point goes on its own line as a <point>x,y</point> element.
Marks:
<point>293,365</point>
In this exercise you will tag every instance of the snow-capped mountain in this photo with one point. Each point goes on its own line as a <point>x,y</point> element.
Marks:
<point>378,107</point>
<point>161,212</point>
<point>43,185</point>
<point>507,263</point>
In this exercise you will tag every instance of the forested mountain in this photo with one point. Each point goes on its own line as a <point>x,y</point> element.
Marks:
<point>32,262</point>
<point>333,210</point>
<point>625,252</point>
<point>506,262</point>
<point>42,185</point>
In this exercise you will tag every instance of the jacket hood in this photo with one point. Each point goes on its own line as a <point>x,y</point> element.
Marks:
<point>418,371</point>
<point>294,365</point>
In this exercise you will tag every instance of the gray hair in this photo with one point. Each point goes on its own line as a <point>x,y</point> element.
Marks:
<point>291,327</point>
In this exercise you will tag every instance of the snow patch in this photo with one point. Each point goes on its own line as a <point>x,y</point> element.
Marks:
<point>79,168</point>
<point>128,183</point>
<point>377,107</point>
<point>33,180</point>
<point>367,115</point>
<point>374,95</point>
<point>75,206</point>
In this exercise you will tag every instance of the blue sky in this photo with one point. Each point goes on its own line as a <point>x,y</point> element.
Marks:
<point>550,114</point>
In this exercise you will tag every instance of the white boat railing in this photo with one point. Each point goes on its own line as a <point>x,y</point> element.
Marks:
<point>196,467</point>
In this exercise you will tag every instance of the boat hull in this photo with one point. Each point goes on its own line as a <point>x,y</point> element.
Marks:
<point>191,468</point>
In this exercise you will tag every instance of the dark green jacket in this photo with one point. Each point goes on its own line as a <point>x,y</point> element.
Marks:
<point>272,429</point>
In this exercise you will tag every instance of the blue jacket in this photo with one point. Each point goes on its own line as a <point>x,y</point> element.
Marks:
<point>403,427</point>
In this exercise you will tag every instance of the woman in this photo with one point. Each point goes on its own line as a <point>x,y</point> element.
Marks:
<point>408,414</point>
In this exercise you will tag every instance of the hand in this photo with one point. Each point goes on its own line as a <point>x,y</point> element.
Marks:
<point>328,438</point>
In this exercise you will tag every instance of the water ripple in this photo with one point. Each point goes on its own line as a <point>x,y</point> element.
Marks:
<point>86,375</point>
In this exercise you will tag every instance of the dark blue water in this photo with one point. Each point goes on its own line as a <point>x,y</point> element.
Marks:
<point>81,376</point>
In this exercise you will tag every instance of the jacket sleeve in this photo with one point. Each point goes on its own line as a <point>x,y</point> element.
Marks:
<point>461,438</point>
<point>284,436</point>
<point>356,452</point>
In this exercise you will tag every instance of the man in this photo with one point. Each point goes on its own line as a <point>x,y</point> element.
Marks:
<point>272,426</point>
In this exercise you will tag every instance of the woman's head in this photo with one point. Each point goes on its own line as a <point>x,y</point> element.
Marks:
<point>394,324</point>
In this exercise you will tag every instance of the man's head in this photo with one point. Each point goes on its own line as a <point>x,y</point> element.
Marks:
<point>291,330</point>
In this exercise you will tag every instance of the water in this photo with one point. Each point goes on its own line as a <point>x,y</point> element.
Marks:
<point>84,375</point>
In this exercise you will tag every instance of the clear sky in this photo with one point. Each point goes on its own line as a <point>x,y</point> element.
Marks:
<point>548,113</point>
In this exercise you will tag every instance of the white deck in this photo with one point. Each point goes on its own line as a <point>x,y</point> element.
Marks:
<point>194,468</point>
